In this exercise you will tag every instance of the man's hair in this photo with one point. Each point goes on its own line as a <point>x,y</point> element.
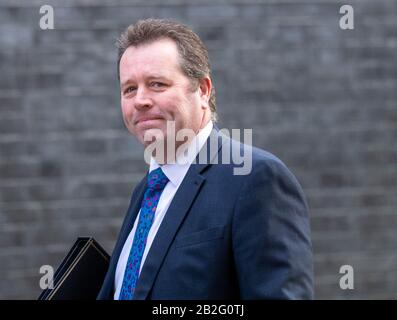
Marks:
<point>193,54</point>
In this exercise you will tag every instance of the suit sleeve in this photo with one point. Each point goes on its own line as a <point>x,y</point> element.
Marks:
<point>271,236</point>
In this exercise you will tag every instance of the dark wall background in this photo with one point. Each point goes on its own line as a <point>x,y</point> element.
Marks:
<point>321,98</point>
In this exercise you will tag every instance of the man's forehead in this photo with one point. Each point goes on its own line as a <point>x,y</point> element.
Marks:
<point>157,59</point>
<point>157,51</point>
<point>150,70</point>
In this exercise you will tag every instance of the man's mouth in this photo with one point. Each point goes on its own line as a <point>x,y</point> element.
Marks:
<point>147,120</point>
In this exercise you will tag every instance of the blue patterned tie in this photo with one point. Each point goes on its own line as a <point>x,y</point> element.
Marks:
<point>156,184</point>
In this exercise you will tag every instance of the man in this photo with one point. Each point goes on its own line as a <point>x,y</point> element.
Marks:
<point>195,229</point>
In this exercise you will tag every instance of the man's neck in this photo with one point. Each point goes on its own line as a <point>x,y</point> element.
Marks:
<point>186,150</point>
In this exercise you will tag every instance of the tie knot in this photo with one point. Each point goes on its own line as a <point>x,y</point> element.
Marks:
<point>157,179</point>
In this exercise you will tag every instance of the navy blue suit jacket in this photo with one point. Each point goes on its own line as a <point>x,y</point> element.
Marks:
<point>226,236</point>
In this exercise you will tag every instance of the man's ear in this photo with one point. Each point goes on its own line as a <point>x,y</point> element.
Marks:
<point>205,91</point>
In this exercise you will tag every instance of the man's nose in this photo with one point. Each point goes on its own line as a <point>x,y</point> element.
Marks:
<point>142,99</point>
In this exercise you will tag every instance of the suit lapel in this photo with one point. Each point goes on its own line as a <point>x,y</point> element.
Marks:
<point>175,215</point>
<point>107,290</point>
<point>136,201</point>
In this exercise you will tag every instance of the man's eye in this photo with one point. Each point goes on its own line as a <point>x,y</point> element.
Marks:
<point>157,84</point>
<point>129,89</point>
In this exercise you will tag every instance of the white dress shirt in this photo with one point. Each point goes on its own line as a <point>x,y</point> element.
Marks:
<point>175,173</point>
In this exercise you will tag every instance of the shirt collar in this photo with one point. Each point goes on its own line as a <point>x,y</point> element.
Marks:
<point>175,172</point>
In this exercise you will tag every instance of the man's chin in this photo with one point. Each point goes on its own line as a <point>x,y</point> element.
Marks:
<point>151,135</point>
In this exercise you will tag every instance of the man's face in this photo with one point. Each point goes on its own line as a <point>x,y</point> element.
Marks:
<point>154,90</point>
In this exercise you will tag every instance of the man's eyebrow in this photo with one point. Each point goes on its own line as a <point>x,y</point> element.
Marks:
<point>150,77</point>
<point>128,81</point>
<point>157,76</point>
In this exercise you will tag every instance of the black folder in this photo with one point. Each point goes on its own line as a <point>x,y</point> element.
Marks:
<point>81,273</point>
